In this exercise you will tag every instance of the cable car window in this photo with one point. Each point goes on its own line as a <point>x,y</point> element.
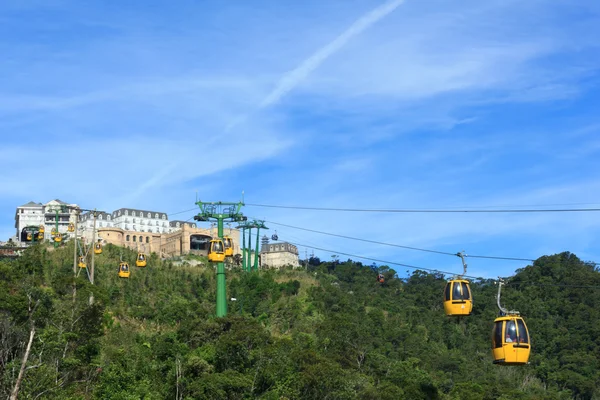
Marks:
<point>465,290</point>
<point>523,336</point>
<point>497,336</point>
<point>511,332</point>
<point>457,293</point>
<point>447,291</point>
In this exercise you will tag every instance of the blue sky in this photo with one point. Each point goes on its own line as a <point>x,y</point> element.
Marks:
<point>350,103</point>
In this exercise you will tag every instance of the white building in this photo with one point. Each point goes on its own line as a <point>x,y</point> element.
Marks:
<point>174,226</point>
<point>277,255</point>
<point>85,226</point>
<point>130,219</point>
<point>49,215</point>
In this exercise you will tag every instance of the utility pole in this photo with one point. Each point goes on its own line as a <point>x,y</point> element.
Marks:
<point>220,211</point>
<point>92,266</point>
<point>75,244</point>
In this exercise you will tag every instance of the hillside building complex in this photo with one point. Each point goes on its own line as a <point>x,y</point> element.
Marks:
<point>142,230</point>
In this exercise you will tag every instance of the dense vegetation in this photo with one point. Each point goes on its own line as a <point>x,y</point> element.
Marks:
<point>329,331</point>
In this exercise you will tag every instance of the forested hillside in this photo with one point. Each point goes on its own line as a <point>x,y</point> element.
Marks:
<point>330,331</point>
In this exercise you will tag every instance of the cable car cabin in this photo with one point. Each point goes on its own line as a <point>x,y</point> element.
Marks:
<point>98,248</point>
<point>124,271</point>
<point>380,278</point>
<point>228,244</point>
<point>140,261</point>
<point>71,227</point>
<point>40,235</point>
<point>54,232</point>
<point>216,251</point>
<point>58,237</point>
<point>81,263</point>
<point>510,341</point>
<point>29,236</point>
<point>457,298</point>
<point>42,229</point>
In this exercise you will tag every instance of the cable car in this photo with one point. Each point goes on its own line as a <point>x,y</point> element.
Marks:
<point>274,236</point>
<point>81,263</point>
<point>29,236</point>
<point>42,229</point>
<point>40,235</point>
<point>71,227</point>
<point>380,278</point>
<point>510,340</point>
<point>228,244</point>
<point>57,237</point>
<point>98,248</point>
<point>457,298</point>
<point>140,260</point>
<point>124,271</point>
<point>458,301</point>
<point>511,344</point>
<point>216,251</point>
<point>54,232</point>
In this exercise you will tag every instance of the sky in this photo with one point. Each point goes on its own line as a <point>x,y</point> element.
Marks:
<point>368,104</point>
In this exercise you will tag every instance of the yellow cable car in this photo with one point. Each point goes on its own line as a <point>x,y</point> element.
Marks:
<point>54,232</point>
<point>81,263</point>
<point>42,229</point>
<point>124,271</point>
<point>458,301</point>
<point>228,244</point>
<point>71,227</point>
<point>140,260</point>
<point>457,298</point>
<point>98,248</point>
<point>29,236</point>
<point>58,237</point>
<point>511,344</point>
<point>216,251</point>
<point>40,235</point>
<point>510,340</point>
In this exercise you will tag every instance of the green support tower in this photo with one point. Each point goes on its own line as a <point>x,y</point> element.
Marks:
<point>220,211</point>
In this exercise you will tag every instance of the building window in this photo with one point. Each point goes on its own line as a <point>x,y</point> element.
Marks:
<point>127,238</point>
<point>141,239</point>
<point>149,215</point>
<point>126,212</point>
<point>177,224</point>
<point>147,239</point>
<point>134,237</point>
<point>100,216</point>
<point>156,216</point>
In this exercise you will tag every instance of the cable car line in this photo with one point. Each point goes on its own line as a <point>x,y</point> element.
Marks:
<point>439,271</point>
<point>182,212</point>
<point>515,210</point>
<point>386,262</point>
<point>401,246</point>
